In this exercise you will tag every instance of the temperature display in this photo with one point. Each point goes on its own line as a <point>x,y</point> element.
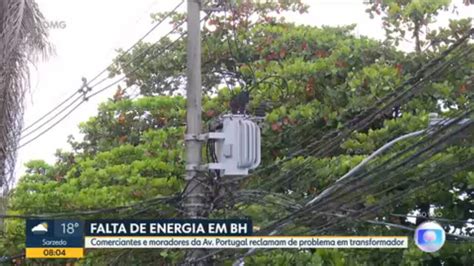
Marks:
<point>54,238</point>
<point>68,228</point>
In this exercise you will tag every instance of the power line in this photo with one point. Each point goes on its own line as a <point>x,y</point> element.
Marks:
<point>87,83</point>
<point>363,119</point>
<point>384,223</point>
<point>346,179</point>
<point>308,212</point>
<point>51,111</point>
<point>113,83</point>
<point>433,177</point>
<point>306,209</point>
<point>412,160</point>
<point>444,220</point>
<point>274,231</point>
<point>91,212</point>
<point>138,41</point>
<point>415,85</point>
<point>298,171</point>
<point>49,120</point>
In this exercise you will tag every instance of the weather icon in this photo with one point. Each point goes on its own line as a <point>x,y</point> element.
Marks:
<point>40,229</point>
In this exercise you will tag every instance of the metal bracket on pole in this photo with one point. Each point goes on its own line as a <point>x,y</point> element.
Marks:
<point>213,9</point>
<point>204,137</point>
<point>195,167</point>
<point>204,167</point>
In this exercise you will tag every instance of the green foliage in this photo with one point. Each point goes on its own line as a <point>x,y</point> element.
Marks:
<point>402,16</point>
<point>315,80</point>
<point>303,257</point>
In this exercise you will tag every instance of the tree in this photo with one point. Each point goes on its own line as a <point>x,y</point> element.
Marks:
<point>314,81</point>
<point>402,16</point>
<point>23,38</point>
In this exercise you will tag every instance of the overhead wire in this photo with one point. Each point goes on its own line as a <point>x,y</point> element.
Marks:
<point>330,224</point>
<point>343,219</point>
<point>433,178</point>
<point>87,85</point>
<point>353,189</point>
<point>434,218</point>
<point>90,212</point>
<point>84,99</point>
<point>297,172</point>
<point>407,162</point>
<point>384,167</point>
<point>305,211</point>
<point>416,85</point>
<point>417,80</point>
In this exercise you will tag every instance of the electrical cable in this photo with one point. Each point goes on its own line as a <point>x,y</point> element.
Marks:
<point>309,208</point>
<point>442,220</point>
<point>434,177</point>
<point>49,120</point>
<point>90,212</point>
<point>416,80</point>
<point>251,251</point>
<point>274,231</point>
<point>108,86</point>
<point>416,86</point>
<point>87,83</point>
<point>297,172</point>
<point>138,41</point>
<point>384,168</point>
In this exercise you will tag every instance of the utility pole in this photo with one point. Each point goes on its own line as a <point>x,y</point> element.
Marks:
<point>195,196</point>
<point>194,191</point>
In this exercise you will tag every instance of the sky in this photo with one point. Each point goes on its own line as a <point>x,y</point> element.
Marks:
<point>86,37</point>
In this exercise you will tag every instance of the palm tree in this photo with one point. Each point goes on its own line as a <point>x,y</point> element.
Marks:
<point>23,39</point>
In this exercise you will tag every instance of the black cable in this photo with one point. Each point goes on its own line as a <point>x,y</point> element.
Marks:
<point>51,111</point>
<point>310,208</point>
<point>297,172</point>
<point>383,169</point>
<point>106,87</point>
<point>332,224</point>
<point>417,83</point>
<point>441,220</point>
<point>89,212</point>
<point>49,120</point>
<point>434,177</point>
<point>50,127</point>
<point>418,79</point>
<point>87,84</point>
<point>136,43</point>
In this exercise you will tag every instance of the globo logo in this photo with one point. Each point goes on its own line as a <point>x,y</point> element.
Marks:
<point>430,236</point>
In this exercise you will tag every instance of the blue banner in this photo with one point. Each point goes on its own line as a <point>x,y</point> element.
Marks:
<point>169,227</point>
<point>54,233</point>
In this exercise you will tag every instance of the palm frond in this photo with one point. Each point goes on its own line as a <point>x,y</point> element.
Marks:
<point>23,40</point>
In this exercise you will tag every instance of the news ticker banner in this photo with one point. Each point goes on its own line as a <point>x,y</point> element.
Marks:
<point>69,238</point>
